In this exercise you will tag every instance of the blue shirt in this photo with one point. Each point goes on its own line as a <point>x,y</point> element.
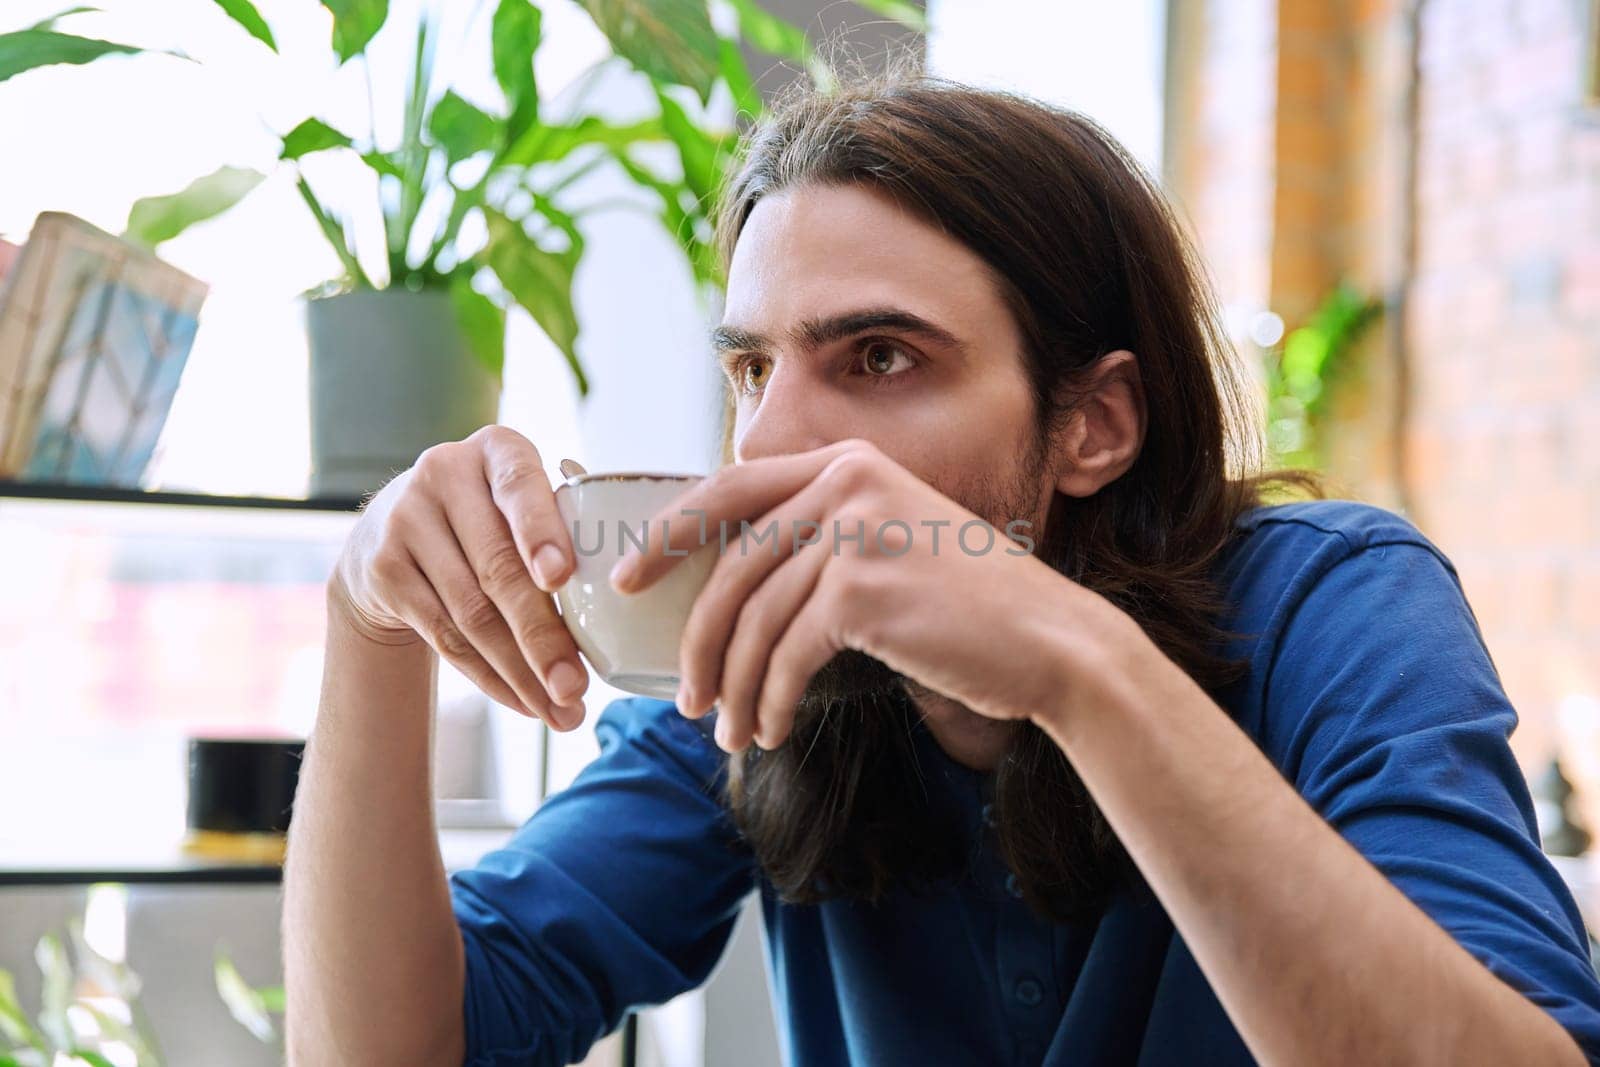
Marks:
<point>1369,688</point>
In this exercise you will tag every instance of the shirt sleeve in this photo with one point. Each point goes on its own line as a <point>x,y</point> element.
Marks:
<point>1386,712</point>
<point>620,891</point>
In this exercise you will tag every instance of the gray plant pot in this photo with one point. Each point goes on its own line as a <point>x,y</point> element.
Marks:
<point>391,375</point>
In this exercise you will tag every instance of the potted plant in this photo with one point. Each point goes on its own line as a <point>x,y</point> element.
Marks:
<point>90,1005</point>
<point>92,1009</point>
<point>407,344</point>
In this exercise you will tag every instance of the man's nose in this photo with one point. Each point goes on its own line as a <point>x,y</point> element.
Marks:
<point>794,415</point>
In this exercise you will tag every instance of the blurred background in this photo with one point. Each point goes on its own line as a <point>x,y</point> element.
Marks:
<point>1399,202</point>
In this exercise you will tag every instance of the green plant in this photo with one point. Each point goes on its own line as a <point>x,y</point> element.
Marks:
<point>89,1006</point>
<point>91,1011</point>
<point>252,1007</point>
<point>1303,372</point>
<point>506,163</point>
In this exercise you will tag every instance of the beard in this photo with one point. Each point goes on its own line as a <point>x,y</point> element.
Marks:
<point>848,676</point>
<point>840,809</point>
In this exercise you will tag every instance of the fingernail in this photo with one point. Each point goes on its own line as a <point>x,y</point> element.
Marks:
<point>723,730</point>
<point>622,575</point>
<point>682,699</point>
<point>568,717</point>
<point>547,563</point>
<point>565,681</point>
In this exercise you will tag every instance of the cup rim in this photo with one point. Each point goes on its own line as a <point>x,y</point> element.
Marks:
<point>631,476</point>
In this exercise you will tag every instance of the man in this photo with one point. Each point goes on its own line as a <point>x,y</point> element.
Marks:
<point>1196,780</point>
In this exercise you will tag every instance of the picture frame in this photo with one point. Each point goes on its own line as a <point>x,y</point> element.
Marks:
<point>94,335</point>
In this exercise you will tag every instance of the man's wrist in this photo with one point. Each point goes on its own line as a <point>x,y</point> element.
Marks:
<point>346,620</point>
<point>1100,654</point>
<point>366,679</point>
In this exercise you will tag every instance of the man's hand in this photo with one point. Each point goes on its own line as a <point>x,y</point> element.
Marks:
<point>867,557</point>
<point>462,551</point>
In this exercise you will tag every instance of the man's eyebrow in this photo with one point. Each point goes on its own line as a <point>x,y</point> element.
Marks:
<point>815,333</point>
<point>733,339</point>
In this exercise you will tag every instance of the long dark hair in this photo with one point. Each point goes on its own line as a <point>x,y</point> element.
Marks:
<point>1090,259</point>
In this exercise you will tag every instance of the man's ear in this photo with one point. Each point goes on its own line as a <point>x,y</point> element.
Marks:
<point>1101,439</point>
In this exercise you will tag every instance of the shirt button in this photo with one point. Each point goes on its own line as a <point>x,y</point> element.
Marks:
<point>987,814</point>
<point>1013,886</point>
<point>1029,993</point>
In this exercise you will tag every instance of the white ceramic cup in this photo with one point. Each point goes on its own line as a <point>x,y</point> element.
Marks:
<point>631,641</point>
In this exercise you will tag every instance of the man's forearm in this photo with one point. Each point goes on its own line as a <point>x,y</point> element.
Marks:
<point>1316,957</point>
<point>372,955</point>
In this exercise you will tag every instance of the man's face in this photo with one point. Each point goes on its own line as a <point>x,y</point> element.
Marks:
<point>849,317</point>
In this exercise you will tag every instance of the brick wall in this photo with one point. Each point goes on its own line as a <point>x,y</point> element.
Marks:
<point>1504,338</point>
<point>1476,409</point>
<point>1220,138</point>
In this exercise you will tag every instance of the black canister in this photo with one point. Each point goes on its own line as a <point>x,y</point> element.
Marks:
<point>241,793</point>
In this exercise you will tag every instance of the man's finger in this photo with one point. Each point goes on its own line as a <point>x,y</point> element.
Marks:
<point>475,616</point>
<point>763,622</point>
<point>529,614</point>
<point>426,613</point>
<point>737,576</point>
<point>521,490</point>
<point>719,502</point>
<point>804,649</point>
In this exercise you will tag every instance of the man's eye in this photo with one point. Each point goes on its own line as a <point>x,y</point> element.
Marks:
<point>881,359</point>
<point>754,374</point>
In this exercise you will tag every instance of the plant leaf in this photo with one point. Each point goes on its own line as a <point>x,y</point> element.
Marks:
<point>672,41</point>
<point>50,23</point>
<point>14,1022</point>
<point>683,225</point>
<point>908,14</point>
<point>412,152</point>
<point>112,977</point>
<point>770,33</point>
<point>244,1003</point>
<point>463,201</point>
<point>383,164</point>
<point>515,38</point>
<point>746,97</point>
<point>355,23</point>
<point>333,230</point>
<point>26,49</point>
<point>540,281</point>
<point>312,135</point>
<point>245,14</point>
<point>463,128</point>
<point>549,142</point>
<point>55,994</point>
<point>483,322</point>
<point>698,149</point>
<point>94,1059</point>
<point>155,219</point>
<point>115,1029</point>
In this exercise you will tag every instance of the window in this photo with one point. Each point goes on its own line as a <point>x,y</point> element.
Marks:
<point>1106,60</point>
